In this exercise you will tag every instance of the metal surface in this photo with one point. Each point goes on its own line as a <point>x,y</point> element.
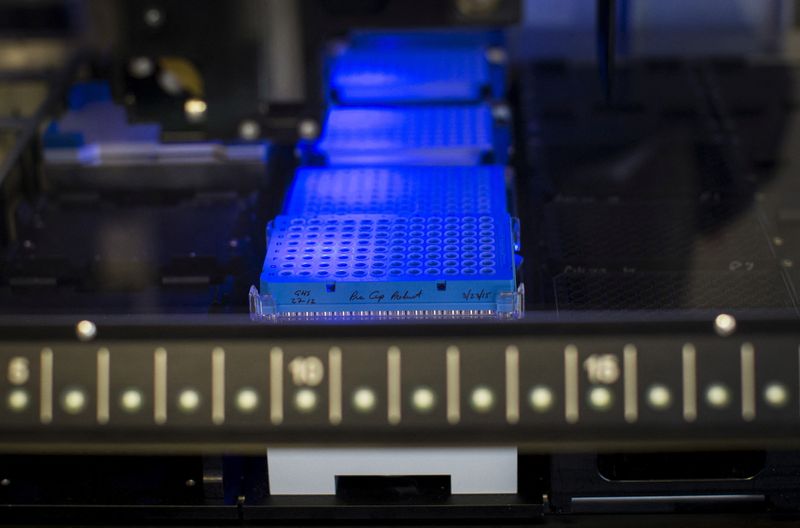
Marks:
<point>569,360</point>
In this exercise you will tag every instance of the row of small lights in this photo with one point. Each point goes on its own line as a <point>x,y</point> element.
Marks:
<point>423,399</point>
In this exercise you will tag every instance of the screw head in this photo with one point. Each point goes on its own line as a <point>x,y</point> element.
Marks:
<point>308,129</point>
<point>725,325</point>
<point>501,113</point>
<point>249,130</point>
<point>153,17</point>
<point>170,83</point>
<point>86,330</point>
<point>496,55</point>
<point>141,67</point>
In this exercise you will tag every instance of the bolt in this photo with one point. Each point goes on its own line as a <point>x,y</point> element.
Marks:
<point>249,130</point>
<point>169,82</point>
<point>787,263</point>
<point>725,325</point>
<point>308,129</point>
<point>153,17</point>
<point>141,67</point>
<point>778,241</point>
<point>501,113</point>
<point>5,482</point>
<point>496,55</point>
<point>86,330</point>
<point>190,483</point>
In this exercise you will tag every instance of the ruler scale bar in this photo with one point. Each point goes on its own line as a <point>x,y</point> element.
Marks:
<point>689,364</point>
<point>393,374</point>
<point>571,408</point>
<point>46,386</point>
<point>453,385</point>
<point>103,385</point>
<point>630,373</point>
<point>335,385</point>
<point>276,385</point>
<point>218,386</point>
<point>512,384</point>
<point>160,386</point>
<point>748,361</point>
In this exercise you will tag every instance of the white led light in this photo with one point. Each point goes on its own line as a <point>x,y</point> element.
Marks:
<point>718,396</point>
<point>423,400</point>
<point>73,401</point>
<point>364,400</point>
<point>247,400</point>
<point>541,398</point>
<point>305,400</point>
<point>601,398</point>
<point>18,400</point>
<point>482,399</point>
<point>188,401</point>
<point>776,395</point>
<point>659,397</point>
<point>131,401</point>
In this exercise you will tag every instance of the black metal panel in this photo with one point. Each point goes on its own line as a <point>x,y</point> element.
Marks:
<point>600,378</point>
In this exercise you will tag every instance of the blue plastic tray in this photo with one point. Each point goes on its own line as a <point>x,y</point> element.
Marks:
<point>398,190</point>
<point>414,74</point>
<point>344,265</point>
<point>437,135</point>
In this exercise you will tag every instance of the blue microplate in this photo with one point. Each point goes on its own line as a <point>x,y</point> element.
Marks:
<point>411,74</point>
<point>398,190</point>
<point>389,266</point>
<point>427,135</point>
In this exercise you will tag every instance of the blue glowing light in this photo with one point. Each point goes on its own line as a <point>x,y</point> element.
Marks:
<point>436,135</point>
<point>389,262</point>
<point>411,75</point>
<point>398,190</point>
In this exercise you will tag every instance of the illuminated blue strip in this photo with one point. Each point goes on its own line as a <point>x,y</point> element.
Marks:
<point>413,75</point>
<point>441,135</point>
<point>344,263</point>
<point>398,190</point>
